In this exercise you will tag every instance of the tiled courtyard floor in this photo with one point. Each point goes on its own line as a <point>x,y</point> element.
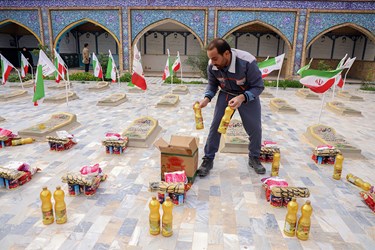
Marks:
<point>226,210</point>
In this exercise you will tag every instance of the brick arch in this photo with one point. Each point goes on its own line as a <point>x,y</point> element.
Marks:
<point>370,35</point>
<point>23,26</point>
<point>277,31</point>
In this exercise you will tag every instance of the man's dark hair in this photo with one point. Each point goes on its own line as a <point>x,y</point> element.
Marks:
<point>220,44</point>
<point>85,45</point>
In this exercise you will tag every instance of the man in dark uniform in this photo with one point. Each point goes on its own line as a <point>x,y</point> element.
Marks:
<point>237,74</point>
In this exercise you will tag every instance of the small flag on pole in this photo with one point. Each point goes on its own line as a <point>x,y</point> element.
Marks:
<point>320,81</point>
<point>24,66</point>
<point>269,65</point>
<point>45,67</point>
<point>6,67</point>
<point>168,68</point>
<point>177,63</point>
<point>59,64</point>
<point>98,72</point>
<point>138,78</point>
<point>111,68</point>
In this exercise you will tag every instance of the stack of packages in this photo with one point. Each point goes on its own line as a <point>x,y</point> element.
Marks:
<point>114,143</point>
<point>174,186</point>
<point>86,181</point>
<point>63,141</point>
<point>267,150</point>
<point>325,154</point>
<point>6,137</point>
<point>16,174</point>
<point>278,193</point>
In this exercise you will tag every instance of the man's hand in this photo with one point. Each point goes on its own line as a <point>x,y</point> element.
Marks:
<point>236,102</point>
<point>203,103</point>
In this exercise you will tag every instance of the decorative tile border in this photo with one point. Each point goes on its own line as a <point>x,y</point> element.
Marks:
<point>341,5</point>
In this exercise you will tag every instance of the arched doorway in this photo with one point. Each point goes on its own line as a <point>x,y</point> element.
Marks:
<point>13,37</point>
<point>70,42</point>
<point>331,45</point>
<point>262,41</point>
<point>154,41</point>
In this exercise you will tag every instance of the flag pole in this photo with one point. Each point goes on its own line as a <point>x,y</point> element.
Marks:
<point>343,85</point>
<point>277,83</point>
<point>32,71</point>
<point>333,93</point>
<point>19,75</point>
<point>66,84</point>
<point>321,108</point>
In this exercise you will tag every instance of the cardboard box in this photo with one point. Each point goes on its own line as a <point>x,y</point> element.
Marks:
<point>180,154</point>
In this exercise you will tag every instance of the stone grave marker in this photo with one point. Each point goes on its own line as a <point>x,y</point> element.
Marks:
<point>180,90</point>
<point>348,96</point>
<point>341,109</point>
<point>100,86</point>
<point>142,132</point>
<point>168,100</point>
<point>61,97</point>
<point>282,106</point>
<point>307,94</point>
<point>14,94</point>
<point>112,100</point>
<point>235,140</point>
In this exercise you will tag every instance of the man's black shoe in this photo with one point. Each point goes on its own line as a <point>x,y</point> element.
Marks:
<point>205,167</point>
<point>254,162</point>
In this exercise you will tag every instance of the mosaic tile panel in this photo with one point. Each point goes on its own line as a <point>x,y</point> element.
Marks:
<point>194,19</point>
<point>45,26</point>
<point>211,24</point>
<point>299,42</point>
<point>29,18</point>
<point>107,18</point>
<point>283,21</point>
<point>125,40</point>
<point>319,22</point>
<point>214,3</point>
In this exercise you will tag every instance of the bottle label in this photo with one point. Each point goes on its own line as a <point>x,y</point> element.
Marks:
<point>303,230</point>
<point>167,229</point>
<point>289,227</point>
<point>47,215</point>
<point>154,226</point>
<point>60,215</point>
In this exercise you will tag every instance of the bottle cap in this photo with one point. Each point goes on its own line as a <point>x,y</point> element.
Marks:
<point>44,187</point>
<point>153,198</point>
<point>308,202</point>
<point>58,188</point>
<point>294,199</point>
<point>168,198</point>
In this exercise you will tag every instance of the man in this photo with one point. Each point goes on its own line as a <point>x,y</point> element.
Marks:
<point>29,58</point>
<point>240,80</point>
<point>86,57</point>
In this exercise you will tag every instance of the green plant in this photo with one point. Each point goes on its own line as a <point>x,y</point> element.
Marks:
<point>83,76</point>
<point>13,77</point>
<point>46,50</point>
<point>127,77</point>
<point>103,59</point>
<point>284,84</point>
<point>322,65</point>
<point>368,86</point>
<point>199,62</point>
<point>177,80</point>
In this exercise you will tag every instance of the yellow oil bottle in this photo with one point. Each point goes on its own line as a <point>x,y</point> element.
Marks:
<point>224,123</point>
<point>47,211</point>
<point>275,164</point>
<point>60,206</point>
<point>154,216</point>
<point>198,116</point>
<point>337,168</point>
<point>291,218</point>
<point>167,219</point>
<point>304,222</point>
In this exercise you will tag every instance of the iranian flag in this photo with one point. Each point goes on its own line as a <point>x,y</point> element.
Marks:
<point>307,66</point>
<point>111,68</point>
<point>320,81</point>
<point>45,67</point>
<point>177,63</point>
<point>24,66</point>
<point>138,78</point>
<point>98,72</point>
<point>270,65</point>
<point>341,62</point>
<point>59,64</point>
<point>348,64</point>
<point>168,68</point>
<point>6,67</point>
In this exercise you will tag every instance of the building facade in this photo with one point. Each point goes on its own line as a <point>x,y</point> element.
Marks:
<point>323,30</point>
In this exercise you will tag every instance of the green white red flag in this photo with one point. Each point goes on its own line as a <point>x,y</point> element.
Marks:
<point>341,62</point>
<point>6,67</point>
<point>60,66</point>
<point>138,78</point>
<point>168,68</point>
<point>320,81</point>
<point>45,67</point>
<point>269,65</point>
<point>348,64</point>
<point>98,72</point>
<point>24,66</point>
<point>177,63</point>
<point>111,68</point>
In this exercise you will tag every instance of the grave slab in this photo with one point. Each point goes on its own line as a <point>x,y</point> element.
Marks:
<point>112,100</point>
<point>346,95</point>
<point>180,90</point>
<point>341,109</point>
<point>235,140</point>
<point>282,106</point>
<point>14,94</point>
<point>168,100</point>
<point>61,97</point>
<point>307,94</point>
<point>142,132</point>
<point>100,86</point>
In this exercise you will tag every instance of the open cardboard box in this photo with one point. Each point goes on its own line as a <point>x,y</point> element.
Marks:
<point>181,153</point>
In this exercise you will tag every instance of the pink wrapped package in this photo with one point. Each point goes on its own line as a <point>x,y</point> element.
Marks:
<point>177,176</point>
<point>113,136</point>
<point>270,182</point>
<point>86,170</point>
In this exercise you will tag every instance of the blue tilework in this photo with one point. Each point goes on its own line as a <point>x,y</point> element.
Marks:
<point>29,18</point>
<point>283,21</point>
<point>108,18</point>
<point>300,37</point>
<point>319,22</point>
<point>194,19</point>
<point>125,40</point>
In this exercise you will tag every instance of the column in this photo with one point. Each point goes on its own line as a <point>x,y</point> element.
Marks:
<point>298,60</point>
